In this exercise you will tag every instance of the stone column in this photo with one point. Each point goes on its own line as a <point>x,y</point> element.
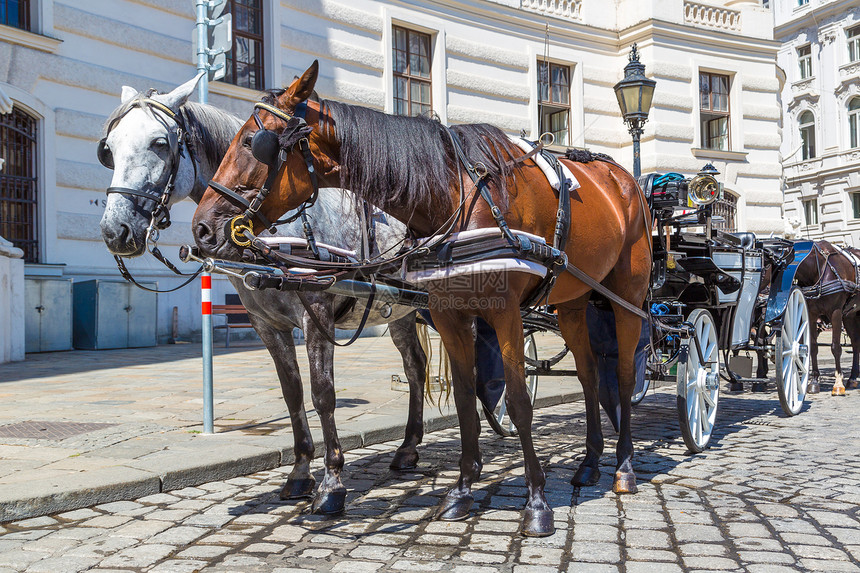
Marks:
<point>11,302</point>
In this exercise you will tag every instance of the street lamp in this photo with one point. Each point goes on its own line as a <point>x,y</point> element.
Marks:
<point>634,95</point>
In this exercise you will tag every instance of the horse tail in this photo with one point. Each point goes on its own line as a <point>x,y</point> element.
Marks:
<point>443,371</point>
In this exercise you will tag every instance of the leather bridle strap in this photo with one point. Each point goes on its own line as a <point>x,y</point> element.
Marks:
<point>361,324</point>
<point>126,274</point>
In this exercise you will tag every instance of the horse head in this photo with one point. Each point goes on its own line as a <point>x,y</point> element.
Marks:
<point>283,148</point>
<point>146,146</point>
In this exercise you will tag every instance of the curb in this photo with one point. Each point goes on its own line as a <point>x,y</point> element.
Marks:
<point>209,461</point>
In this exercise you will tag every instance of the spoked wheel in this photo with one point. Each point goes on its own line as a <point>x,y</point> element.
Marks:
<point>641,389</point>
<point>791,354</point>
<point>699,382</point>
<point>498,417</point>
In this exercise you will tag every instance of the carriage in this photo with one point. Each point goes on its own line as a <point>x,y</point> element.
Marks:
<point>715,298</point>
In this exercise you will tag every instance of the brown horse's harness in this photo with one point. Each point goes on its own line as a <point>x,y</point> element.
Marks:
<point>437,251</point>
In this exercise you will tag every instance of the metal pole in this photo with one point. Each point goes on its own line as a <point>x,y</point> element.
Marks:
<point>206,295</point>
<point>202,47</point>
<point>636,132</point>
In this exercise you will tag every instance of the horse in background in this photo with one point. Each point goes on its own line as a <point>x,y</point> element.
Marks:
<point>829,281</point>
<point>146,149</point>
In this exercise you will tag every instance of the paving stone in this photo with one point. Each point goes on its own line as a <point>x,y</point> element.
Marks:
<point>352,566</point>
<point>139,556</point>
<point>710,563</point>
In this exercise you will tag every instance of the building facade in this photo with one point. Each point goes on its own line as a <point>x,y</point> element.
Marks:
<point>820,54</point>
<point>527,66</point>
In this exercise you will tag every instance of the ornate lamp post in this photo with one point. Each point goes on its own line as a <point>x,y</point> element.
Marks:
<point>634,95</point>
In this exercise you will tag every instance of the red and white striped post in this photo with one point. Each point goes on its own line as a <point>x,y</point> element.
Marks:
<point>206,295</point>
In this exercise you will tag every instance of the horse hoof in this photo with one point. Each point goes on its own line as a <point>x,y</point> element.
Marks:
<point>736,386</point>
<point>853,384</point>
<point>586,476</point>
<point>455,508</point>
<point>538,523</point>
<point>624,482</point>
<point>838,391</point>
<point>298,488</point>
<point>404,460</point>
<point>759,387</point>
<point>813,388</point>
<point>329,502</point>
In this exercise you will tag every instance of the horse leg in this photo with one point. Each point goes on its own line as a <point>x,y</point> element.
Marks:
<point>813,386</point>
<point>574,329</point>
<point>852,326</point>
<point>538,516</point>
<point>280,344</point>
<point>331,494</point>
<point>455,329</point>
<point>405,338</point>
<point>836,347</point>
<point>628,328</point>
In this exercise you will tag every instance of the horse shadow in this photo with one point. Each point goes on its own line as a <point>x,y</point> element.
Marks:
<point>405,499</point>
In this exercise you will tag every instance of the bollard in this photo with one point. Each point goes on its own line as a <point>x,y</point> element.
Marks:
<point>206,293</point>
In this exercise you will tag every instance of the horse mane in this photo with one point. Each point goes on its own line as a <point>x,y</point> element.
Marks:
<point>397,160</point>
<point>211,129</point>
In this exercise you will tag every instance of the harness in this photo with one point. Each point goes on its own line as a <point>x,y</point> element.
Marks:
<point>271,150</point>
<point>821,288</point>
<point>160,215</point>
<point>434,251</point>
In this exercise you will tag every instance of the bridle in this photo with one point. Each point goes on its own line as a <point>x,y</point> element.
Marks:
<point>271,149</point>
<point>160,214</point>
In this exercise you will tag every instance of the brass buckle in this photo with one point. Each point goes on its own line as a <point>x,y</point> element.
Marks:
<point>238,227</point>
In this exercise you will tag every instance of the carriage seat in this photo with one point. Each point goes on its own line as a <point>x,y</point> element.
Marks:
<point>645,183</point>
<point>747,239</point>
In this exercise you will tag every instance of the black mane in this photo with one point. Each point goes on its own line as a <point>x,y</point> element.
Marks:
<point>394,160</point>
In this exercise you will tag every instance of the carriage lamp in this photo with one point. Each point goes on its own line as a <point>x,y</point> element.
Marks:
<point>634,94</point>
<point>704,188</point>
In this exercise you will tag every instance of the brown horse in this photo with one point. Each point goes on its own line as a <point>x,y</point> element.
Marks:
<point>409,168</point>
<point>827,267</point>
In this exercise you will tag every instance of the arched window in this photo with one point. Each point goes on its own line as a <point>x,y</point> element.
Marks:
<point>807,134</point>
<point>18,182</point>
<point>854,121</point>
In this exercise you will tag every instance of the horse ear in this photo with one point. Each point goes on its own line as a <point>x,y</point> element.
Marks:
<point>128,94</point>
<point>176,98</point>
<point>303,88</point>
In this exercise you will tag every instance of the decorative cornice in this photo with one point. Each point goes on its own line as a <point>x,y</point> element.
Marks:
<point>849,70</point>
<point>697,14</point>
<point>849,87</point>
<point>567,9</point>
<point>29,39</point>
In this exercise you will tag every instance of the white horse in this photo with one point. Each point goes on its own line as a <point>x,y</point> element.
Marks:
<point>145,146</point>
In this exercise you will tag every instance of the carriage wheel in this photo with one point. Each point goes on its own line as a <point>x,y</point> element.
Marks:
<point>791,354</point>
<point>498,417</point>
<point>699,383</point>
<point>641,390</point>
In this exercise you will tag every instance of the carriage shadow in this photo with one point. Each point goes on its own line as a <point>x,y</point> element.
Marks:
<point>406,499</point>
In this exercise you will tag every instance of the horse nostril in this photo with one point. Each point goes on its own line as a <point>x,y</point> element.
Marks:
<point>124,233</point>
<point>205,234</point>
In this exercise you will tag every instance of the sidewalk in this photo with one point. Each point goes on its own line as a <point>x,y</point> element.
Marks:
<point>88,427</point>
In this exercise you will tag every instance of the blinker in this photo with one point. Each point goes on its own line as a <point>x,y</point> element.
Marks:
<point>264,147</point>
<point>104,154</point>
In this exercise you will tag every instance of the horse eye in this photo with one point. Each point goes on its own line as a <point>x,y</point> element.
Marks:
<point>247,142</point>
<point>160,142</point>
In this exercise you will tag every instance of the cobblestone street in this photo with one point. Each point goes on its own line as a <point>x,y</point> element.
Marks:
<point>772,494</point>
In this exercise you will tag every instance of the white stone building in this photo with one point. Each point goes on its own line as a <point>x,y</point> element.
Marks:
<point>820,54</point>
<point>478,61</point>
